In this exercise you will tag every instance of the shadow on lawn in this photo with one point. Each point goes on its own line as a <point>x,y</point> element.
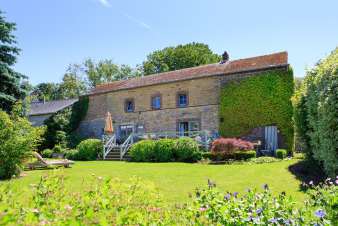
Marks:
<point>306,171</point>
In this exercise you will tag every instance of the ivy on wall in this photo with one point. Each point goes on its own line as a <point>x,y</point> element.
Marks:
<point>263,99</point>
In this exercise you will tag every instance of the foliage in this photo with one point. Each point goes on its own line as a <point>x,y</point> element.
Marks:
<point>165,150</point>
<point>11,89</point>
<point>72,85</point>
<point>179,57</point>
<point>316,115</point>
<point>212,207</point>
<point>186,150</point>
<point>207,155</point>
<point>104,202</point>
<point>72,154</point>
<point>281,153</point>
<point>89,149</point>
<point>264,159</point>
<point>17,139</point>
<point>59,149</point>
<point>244,155</point>
<point>79,111</point>
<point>224,148</point>
<point>46,91</point>
<point>47,153</point>
<point>270,104</point>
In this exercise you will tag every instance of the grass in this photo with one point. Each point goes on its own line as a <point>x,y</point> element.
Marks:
<point>176,180</point>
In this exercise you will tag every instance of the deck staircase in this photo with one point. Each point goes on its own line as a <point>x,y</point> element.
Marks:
<point>114,151</point>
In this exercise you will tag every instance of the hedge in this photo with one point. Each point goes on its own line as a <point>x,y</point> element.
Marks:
<point>281,153</point>
<point>263,99</point>
<point>89,149</point>
<point>165,150</point>
<point>316,114</point>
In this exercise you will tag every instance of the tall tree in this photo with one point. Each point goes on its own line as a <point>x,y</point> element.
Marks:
<point>73,84</point>
<point>107,71</point>
<point>46,91</point>
<point>178,57</point>
<point>11,89</point>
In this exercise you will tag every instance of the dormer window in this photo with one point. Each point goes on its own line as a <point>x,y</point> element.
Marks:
<point>129,105</point>
<point>182,99</point>
<point>156,102</point>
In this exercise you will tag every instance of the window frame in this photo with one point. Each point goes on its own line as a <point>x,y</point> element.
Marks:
<point>151,101</point>
<point>178,94</point>
<point>126,105</point>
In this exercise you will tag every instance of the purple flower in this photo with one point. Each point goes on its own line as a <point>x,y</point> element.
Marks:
<point>235,194</point>
<point>320,213</point>
<point>273,221</point>
<point>287,222</point>
<point>250,218</point>
<point>311,182</point>
<point>266,187</point>
<point>227,196</point>
<point>259,211</point>
<point>337,181</point>
<point>202,209</point>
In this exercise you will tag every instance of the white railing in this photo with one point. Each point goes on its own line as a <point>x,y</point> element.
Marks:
<point>109,145</point>
<point>126,145</point>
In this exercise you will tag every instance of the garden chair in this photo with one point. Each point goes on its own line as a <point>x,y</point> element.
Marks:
<point>42,163</point>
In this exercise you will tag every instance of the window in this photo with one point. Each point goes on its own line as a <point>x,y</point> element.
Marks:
<point>129,105</point>
<point>182,99</point>
<point>189,127</point>
<point>156,102</point>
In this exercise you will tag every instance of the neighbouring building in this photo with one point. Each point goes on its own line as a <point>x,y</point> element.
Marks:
<point>183,100</point>
<point>42,110</point>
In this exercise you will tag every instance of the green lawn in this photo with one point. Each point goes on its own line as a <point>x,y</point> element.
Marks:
<point>176,180</point>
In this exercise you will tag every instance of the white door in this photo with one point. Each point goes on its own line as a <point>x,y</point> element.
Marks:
<point>271,138</point>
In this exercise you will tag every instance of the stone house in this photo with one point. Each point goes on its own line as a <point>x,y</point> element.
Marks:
<point>183,100</point>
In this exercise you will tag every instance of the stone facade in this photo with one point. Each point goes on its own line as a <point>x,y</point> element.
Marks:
<point>203,101</point>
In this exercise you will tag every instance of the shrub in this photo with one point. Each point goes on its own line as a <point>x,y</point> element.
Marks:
<point>281,153</point>
<point>89,149</point>
<point>58,149</point>
<point>17,140</point>
<point>224,148</point>
<point>47,153</point>
<point>186,150</point>
<point>142,151</point>
<point>72,154</point>
<point>316,115</point>
<point>163,150</point>
<point>244,155</point>
<point>207,155</point>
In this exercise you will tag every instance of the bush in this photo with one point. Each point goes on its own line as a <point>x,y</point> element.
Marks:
<point>165,150</point>
<point>224,148</point>
<point>47,153</point>
<point>17,140</point>
<point>72,154</point>
<point>207,155</point>
<point>186,150</point>
<point>89,149</point>
<point>244,155</point>
<point>316,115</point>
<point>142,151</point>
<point>281,153</point>
<point>58,149</point>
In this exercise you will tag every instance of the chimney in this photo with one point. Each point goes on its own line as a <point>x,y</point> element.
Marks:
<point>225,57</point>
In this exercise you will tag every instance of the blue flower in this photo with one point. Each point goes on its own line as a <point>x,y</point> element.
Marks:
<point>287,222</point>
<point>320,213</point>
<point>235,194</point>
<point>259,211</point>
<point>273,221</point>
<point>227,196</point>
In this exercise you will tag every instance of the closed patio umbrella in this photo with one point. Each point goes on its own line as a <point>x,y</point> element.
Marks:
<point>108,127</point>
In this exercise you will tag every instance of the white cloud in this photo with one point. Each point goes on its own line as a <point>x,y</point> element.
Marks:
<point>138,22</point>
<point>105,3</point>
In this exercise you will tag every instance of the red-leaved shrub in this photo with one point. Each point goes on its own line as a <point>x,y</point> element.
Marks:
<point>223,148</point>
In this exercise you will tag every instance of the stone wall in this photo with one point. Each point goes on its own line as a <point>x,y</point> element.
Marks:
<point>203,102</point>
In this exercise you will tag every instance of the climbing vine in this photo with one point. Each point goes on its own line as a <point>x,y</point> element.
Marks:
<point>259,100</point>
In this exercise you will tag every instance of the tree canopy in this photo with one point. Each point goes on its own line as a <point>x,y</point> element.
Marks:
<point>179,57</point>
<point>11,89</point>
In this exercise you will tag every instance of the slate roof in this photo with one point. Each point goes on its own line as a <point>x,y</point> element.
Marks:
<point>42,108</point>
<point>230,67</point>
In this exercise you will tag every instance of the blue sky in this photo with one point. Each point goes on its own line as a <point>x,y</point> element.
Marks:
<point>53,34</point>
